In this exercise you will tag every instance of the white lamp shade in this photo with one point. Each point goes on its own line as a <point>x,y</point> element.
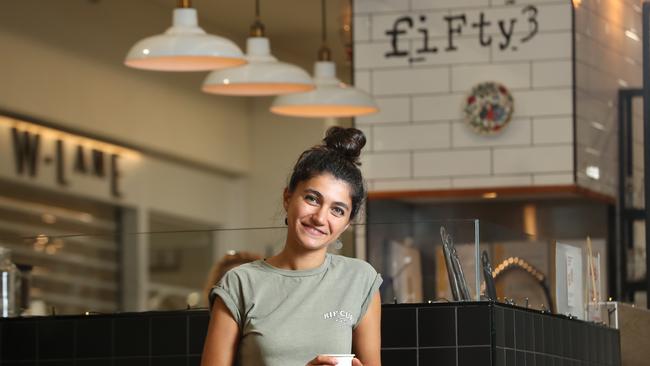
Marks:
<point>184,47</point>
<point>263,75</point>
<point>331,98</point>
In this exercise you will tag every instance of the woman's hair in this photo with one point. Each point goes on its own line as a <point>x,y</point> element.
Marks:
<point>337,155</point>
<point>226,263</point>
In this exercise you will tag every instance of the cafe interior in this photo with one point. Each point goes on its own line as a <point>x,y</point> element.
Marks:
<point>142,142</point>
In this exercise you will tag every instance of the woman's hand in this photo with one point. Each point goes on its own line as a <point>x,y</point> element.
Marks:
<point>322,360</point>
<point>327,360</point>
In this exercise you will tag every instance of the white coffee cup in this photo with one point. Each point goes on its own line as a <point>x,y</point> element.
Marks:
<point>342,359</point>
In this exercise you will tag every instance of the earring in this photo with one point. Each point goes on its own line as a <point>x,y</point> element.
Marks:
<point>286,221</point>
<point>338,244</point>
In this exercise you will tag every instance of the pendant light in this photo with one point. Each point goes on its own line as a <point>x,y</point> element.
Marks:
<point>184,47</point>
<point>331,98</point>
<point>263,75</point>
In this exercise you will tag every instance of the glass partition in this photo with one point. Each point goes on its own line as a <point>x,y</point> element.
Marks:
<point>171,267</point>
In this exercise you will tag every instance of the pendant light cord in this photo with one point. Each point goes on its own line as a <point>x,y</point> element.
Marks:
<point>323,21</point>
<point>324,53</point>
<point>257,28</point>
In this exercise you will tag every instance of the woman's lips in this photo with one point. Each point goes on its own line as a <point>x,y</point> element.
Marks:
<point>312,230</point>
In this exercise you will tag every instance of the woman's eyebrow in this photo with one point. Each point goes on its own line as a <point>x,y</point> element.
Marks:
<point>314,192</point>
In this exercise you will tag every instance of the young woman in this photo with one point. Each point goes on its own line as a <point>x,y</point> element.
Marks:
<point>296,307</point>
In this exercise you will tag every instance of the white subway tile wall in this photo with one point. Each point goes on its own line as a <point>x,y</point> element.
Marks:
<point>513,75</point>
<point>391,110</point>
<point>420,60</point>
<point>385,185</point>
<point>362,80</point>
<point>412,137</point>
<point>412,81</point>
<point>552,74</point>
<point>552,130</point>
<point>493,182</point>
<point>552,179</point>
<point>378,6</point>
<point>517,133</point>
<point>452,163</point>
<point>447,4</point>
<point>386,165</point>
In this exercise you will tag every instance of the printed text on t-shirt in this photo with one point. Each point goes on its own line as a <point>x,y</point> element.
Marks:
<point>340,316</point>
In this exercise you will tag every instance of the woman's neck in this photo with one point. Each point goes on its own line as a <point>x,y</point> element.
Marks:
<point>293,260</point>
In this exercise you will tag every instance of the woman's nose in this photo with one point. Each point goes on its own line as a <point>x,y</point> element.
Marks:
<point>319,217</point>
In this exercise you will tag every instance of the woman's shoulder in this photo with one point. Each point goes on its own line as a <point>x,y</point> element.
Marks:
<point>246,270</point>
<point>352,264</point>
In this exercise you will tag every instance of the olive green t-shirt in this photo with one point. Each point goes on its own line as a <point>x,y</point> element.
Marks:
<point>288,317</point>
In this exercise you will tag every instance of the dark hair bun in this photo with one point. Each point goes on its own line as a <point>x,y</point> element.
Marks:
<point>346,141</point>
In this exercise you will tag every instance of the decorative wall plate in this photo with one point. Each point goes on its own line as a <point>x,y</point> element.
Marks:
<point>488,108</point>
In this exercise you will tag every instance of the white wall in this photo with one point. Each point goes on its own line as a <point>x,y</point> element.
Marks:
<point>220,161</point>
<point>276,144</point>
<point>62,62</point>
<point>419,140</point>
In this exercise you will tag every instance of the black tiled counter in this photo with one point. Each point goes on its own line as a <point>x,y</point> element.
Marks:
<point>487,334</point>
<point>441,334</point>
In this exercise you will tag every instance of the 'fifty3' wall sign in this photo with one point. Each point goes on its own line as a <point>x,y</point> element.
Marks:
<point>420,60</point>
<point>455,25</point>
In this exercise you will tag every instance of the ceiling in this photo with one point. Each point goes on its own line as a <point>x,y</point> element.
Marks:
<point>293,26</point>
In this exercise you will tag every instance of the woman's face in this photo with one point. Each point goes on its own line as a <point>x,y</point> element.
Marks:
<point>318,211</point>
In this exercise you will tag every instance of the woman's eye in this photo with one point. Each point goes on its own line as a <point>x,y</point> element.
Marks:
<point>311,198</point>
<point>338,211</point>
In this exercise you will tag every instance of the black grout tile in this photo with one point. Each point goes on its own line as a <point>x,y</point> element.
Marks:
<point>529,332</point>
<point>399,357</point>
<point>169,361</point>
<point>132,361</point>
<point>437,327</point>
<point>520,330</point>
<point>194,361</point>
<point>198,328</point>
<point>600,351</point>
<point>437,356</point>
<point>91,340</point>
<point>55,339</point>
<point>168,335</point>
<point>530,359</point>
<point>474,356</point>
<point>548,346</point>
<point>510,357</point>
<point>591,346</point>
<point>520,358</point>
<point>19,341</point>
<point>499,357</point>
<point>509,327</point>
<point>131,336</point>
<point>500,337</point>
<point>94,362</point>
<point>399,327</point>
<point>474,325</point>
<point>538,324</point>
<point>94,337</point>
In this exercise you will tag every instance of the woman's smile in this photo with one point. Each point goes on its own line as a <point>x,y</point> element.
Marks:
<point>313,230</point>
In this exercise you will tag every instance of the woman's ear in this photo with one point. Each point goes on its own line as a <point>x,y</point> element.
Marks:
<point>285,198</point>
